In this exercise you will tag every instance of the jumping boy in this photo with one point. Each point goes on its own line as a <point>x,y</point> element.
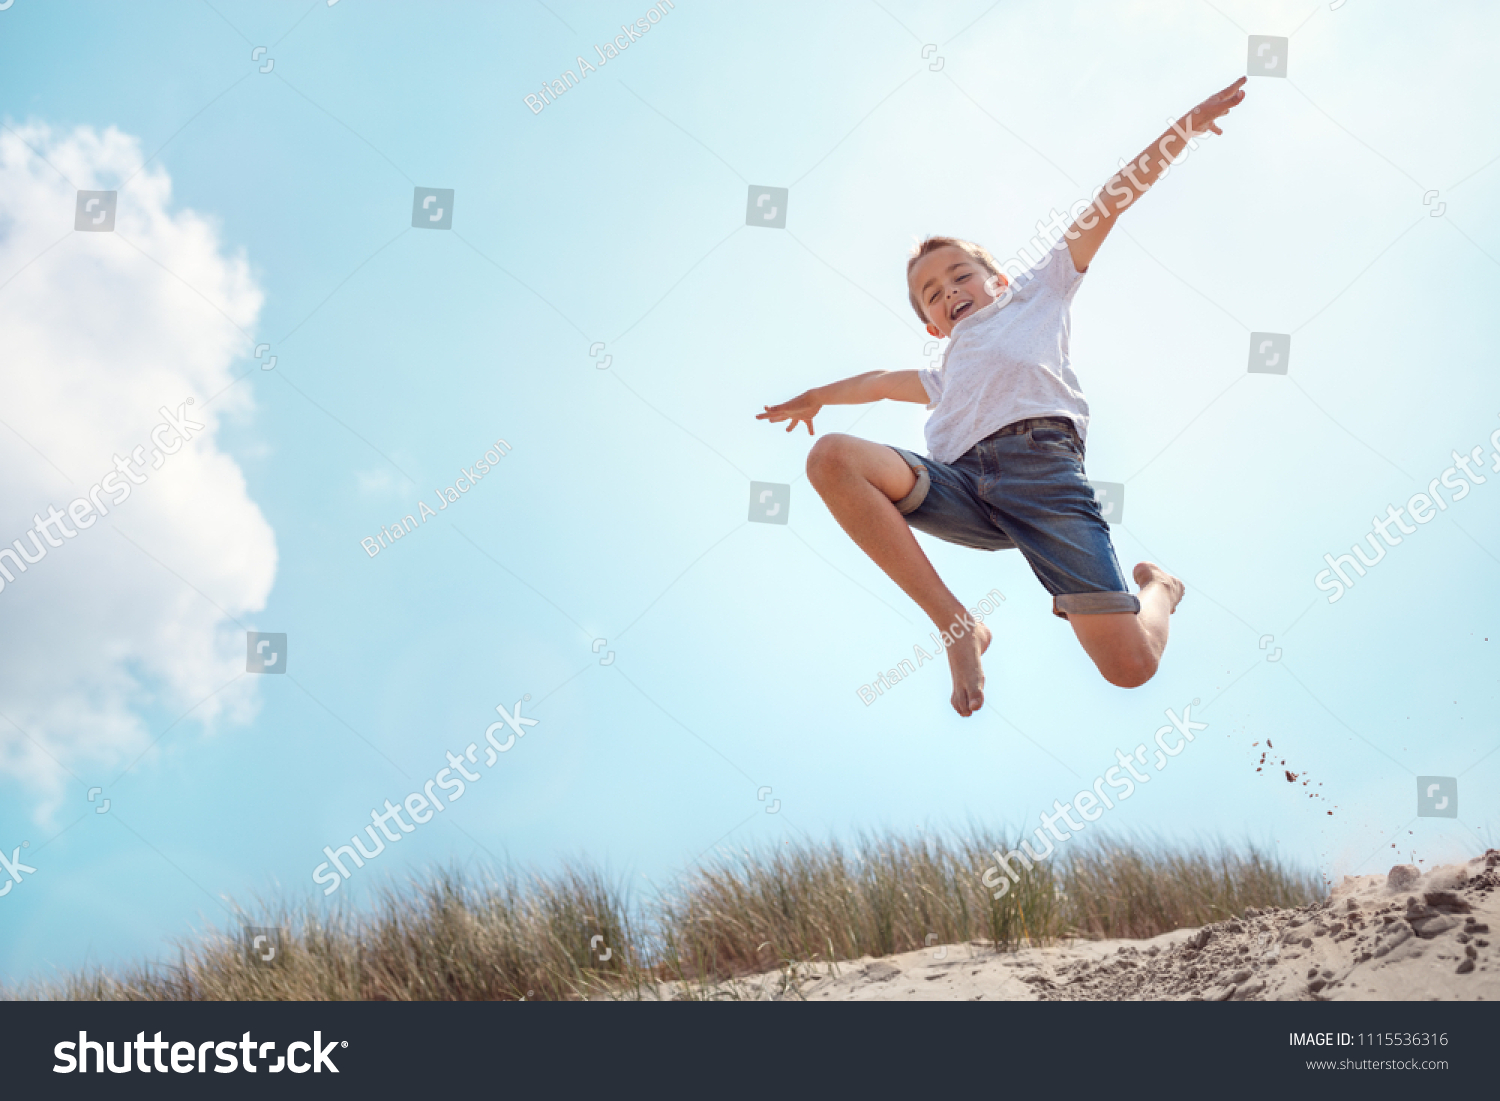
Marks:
<point>1006,438</point>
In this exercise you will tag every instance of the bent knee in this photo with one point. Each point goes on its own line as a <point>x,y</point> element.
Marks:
<point>1129,670</point>
<point>829,455</point>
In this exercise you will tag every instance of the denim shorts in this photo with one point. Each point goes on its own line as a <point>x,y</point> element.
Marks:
<point>1024,487</point>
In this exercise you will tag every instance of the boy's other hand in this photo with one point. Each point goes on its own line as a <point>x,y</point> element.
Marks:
<point>1203,118</point>
<point>801,408</point>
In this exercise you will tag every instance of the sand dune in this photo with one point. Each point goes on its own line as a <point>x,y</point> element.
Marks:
<point>1408,936</point>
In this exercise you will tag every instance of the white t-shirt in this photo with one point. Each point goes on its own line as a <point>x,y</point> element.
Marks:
<point>1008,362</point>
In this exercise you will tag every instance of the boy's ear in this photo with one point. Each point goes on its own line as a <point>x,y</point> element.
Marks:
<point>932,331</point>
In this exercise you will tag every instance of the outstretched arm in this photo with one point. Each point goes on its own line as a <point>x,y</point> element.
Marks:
<point>1126,186</point>
<point>859,390</point>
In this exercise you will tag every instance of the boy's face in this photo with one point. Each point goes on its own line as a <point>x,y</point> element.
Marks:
<point>951,285</point>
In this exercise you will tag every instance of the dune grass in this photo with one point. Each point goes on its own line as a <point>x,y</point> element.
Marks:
<point>453,937</point>
<point>445,937</point>
<point>892,894</point>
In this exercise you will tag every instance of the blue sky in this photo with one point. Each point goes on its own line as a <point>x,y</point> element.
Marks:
<point>276,207</point>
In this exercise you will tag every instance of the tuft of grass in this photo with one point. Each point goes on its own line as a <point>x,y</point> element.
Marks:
<point>440,938</point>
<point>1134,891</point>
<point>882,895</point>
<point>892,894</point>
<point>782,909</point>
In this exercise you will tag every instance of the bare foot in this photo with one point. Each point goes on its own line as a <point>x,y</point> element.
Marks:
<point>1149,573</point>
<point>968,673</point>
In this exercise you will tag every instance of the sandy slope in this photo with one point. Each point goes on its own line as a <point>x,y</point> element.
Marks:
<point>1403,936</point>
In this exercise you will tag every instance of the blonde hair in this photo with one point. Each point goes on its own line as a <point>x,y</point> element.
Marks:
<point>978,253</point>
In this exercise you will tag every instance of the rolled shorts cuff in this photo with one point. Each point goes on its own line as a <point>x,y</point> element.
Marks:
<point>1066,604</point>
<point>913,500</point>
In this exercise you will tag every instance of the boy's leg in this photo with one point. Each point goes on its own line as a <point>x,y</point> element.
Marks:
<point>1035,481</point>
<point>1127,648</point>
<point>860,482</point>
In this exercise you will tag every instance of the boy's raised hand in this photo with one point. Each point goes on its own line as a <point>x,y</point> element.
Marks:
<point>1203,118</point>
<point>801,408</point>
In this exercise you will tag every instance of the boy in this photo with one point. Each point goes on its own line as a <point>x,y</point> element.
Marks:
<point>1006,437</point>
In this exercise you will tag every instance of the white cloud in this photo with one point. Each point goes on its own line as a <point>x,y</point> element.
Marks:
<point>379,483</point>
<point>98,337</point>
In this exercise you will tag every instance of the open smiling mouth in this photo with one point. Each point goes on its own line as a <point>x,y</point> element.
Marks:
<point>959,310</point>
